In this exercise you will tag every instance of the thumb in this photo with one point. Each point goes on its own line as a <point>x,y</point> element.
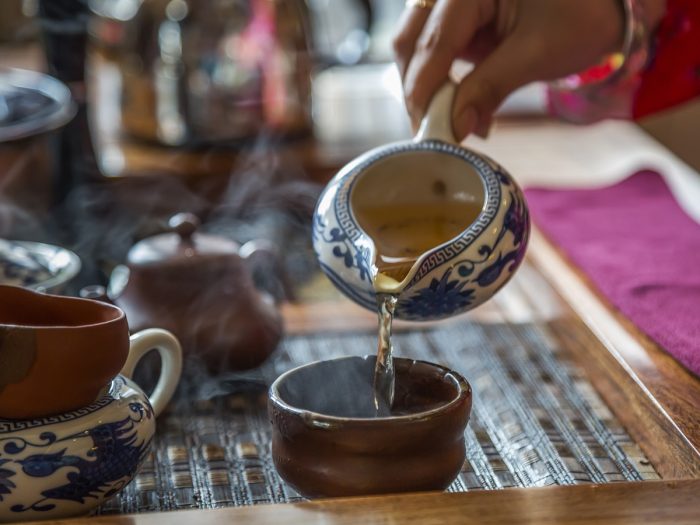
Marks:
<point>479,94</point>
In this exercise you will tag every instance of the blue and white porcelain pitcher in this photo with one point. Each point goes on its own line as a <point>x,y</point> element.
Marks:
<point>453,277</point>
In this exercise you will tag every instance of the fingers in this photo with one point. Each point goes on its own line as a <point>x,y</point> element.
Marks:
<point>410,27</point>
<point>483,127</point>
<point>510,66</point>
<point>447,32</point>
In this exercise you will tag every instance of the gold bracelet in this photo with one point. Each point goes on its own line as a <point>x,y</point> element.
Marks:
<point>610,96</point>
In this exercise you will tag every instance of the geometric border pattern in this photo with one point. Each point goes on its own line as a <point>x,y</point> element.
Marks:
<point>492,189</point>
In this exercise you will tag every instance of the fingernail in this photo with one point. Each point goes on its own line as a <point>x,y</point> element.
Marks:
<point>465,122</point>
<point>483,130</point>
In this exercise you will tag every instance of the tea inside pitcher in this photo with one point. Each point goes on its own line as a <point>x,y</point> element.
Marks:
<point>402,232</point>
<point>407,205</point>
<point>411,202</point>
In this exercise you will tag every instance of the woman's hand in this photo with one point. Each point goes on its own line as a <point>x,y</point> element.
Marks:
<point>510,42</point>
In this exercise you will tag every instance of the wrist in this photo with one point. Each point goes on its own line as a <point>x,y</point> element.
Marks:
<point>606,90</point>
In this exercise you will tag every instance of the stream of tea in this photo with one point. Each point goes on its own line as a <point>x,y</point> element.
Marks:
<point>384,368</point>
<point>401,233</point>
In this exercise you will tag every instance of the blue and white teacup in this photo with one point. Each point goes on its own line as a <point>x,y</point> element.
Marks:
<point>67,464</point>
<point>453,277</point>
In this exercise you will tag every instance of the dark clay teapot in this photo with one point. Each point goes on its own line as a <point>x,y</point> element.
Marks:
<point>199,287</point>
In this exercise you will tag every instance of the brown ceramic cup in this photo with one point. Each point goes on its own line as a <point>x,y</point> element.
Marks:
<point>58,354</point>
<point>327,442</point>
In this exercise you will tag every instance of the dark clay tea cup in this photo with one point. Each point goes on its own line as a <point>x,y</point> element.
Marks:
<point>327,440</point>
<point>59,354</point>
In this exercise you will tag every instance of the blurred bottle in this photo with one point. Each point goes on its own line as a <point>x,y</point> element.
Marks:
<point>17,23</point>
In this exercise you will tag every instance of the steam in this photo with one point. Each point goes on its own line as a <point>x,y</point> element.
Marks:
<point>267,203</point>
<point>103,221</point>
<point>17,218</point>
<point>17,222</point>
<point>265,200</point>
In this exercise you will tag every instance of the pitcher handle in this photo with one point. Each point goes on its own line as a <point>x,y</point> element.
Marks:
<point>171,363</point>
<point>437,122</point>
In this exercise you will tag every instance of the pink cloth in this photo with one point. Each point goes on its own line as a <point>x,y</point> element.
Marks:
<point>639,248</point>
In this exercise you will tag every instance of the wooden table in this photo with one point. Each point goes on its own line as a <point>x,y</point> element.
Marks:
<point>652,503</point>
<point>653,396</point>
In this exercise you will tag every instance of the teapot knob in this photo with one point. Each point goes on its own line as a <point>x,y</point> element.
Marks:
<point>184,224</point>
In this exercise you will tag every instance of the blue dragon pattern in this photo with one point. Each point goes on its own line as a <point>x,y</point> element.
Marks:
<point>111,462</point>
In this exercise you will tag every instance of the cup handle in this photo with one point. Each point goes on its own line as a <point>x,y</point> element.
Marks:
<point>171,363</point>
<point>437,123</point>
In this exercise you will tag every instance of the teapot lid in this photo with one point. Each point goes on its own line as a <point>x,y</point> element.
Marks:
<point>183,242</point>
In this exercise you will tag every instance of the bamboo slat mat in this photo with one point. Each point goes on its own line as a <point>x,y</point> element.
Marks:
<point>536,421</point>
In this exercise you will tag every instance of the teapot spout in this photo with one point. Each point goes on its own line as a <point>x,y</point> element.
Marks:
<point>394,274</point>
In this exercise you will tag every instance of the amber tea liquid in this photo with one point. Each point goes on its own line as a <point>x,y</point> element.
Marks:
<point>401,233</point>
<point>384,368</point>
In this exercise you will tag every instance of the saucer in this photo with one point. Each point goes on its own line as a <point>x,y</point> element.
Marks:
<point>37,266</point>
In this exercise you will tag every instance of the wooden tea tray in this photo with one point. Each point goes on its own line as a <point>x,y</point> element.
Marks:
<point>536,418</point>
<point>653,396</point>
<point>651,503</point>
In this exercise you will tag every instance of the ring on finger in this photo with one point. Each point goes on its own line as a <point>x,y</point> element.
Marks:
<point>421,4</point>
